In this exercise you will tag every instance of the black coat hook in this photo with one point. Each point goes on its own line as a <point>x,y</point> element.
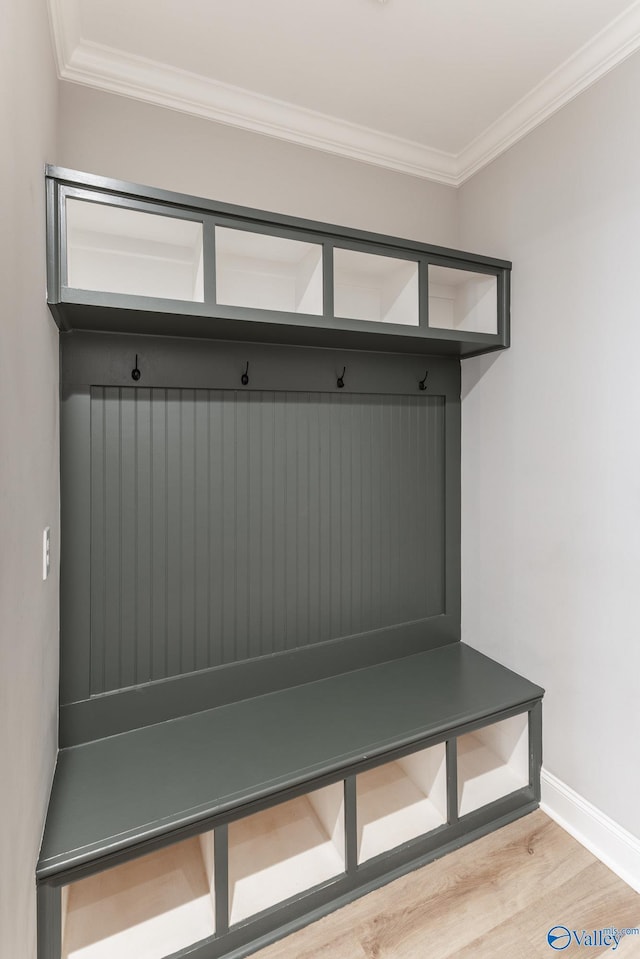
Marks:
<point>422,385</point>
<point>340,383</point>
<point>244,379</point>
<point>135,372</point>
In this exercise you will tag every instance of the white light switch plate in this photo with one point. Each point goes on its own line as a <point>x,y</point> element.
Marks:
<point>46,552</point>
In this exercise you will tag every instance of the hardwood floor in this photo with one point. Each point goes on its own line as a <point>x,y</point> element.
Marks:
<point>494,899</point>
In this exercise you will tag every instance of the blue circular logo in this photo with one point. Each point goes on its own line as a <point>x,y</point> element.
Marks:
<point>559,938</point>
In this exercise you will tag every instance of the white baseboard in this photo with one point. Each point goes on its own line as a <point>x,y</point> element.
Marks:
<point>613,845</point>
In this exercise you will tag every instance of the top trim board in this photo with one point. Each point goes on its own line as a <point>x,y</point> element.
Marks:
<point>78,178</point>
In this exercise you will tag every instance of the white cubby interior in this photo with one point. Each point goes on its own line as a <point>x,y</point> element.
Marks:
<point>368,286</point>
<point>147,908</point>
<point>462,300</point>
<point>285,850</point>
<point>112,249</point>
<point>492,762</point>
<point>401,800</point>
<point>261,271</point>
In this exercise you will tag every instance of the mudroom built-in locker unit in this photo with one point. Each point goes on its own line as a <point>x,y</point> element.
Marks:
<point>266,710</point>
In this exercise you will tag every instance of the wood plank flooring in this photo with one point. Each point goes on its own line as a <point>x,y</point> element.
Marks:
<point>494,899</point>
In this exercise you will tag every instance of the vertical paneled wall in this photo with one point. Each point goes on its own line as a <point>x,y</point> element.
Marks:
<point>208,526</point>
<point>227,525</point>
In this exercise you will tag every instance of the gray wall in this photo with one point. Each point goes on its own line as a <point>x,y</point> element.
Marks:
<point>29,489</point>
<point>551,455</point>
<point>117,137</point>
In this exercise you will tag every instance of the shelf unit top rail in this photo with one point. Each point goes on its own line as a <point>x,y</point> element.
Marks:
<point>75,178</point>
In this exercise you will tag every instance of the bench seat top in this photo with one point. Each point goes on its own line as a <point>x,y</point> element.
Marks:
<point>114,793</point>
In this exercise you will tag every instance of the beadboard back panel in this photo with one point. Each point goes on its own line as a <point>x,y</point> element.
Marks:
<point>227,525</point>
<point>212,525</point>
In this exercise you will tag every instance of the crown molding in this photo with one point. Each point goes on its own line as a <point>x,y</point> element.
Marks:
<point>116,72</point>
<point>617,41</point>
<point>105,68</point>
<point>64,22</point>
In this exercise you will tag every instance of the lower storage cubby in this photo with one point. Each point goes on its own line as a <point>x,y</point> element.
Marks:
<point>280,862</point>
<point>401,800</point>
<point>144,909</point>
<point>492,762</point>
<point>285,850</point>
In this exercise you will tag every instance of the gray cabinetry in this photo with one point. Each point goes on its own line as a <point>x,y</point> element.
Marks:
<point>131,259</point>
<point>265,707</point>
<point>227,829</point>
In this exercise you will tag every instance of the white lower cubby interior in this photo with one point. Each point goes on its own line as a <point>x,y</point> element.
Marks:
<point>285,850</point>
<point>144,909</point>
<point>400,801</point>
<point>492,762</point>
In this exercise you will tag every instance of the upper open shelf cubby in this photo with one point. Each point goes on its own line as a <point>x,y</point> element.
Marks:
<point>262,272</point>
<point>379,288</point>
<point>134,259</point>
<point>116,250</point>
<point>463,300</point>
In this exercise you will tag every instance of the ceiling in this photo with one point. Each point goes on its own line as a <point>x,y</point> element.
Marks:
<point>434,88</point>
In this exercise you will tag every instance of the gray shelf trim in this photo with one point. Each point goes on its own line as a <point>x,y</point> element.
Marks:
<point>221,872</point>
<point>75,312</point>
